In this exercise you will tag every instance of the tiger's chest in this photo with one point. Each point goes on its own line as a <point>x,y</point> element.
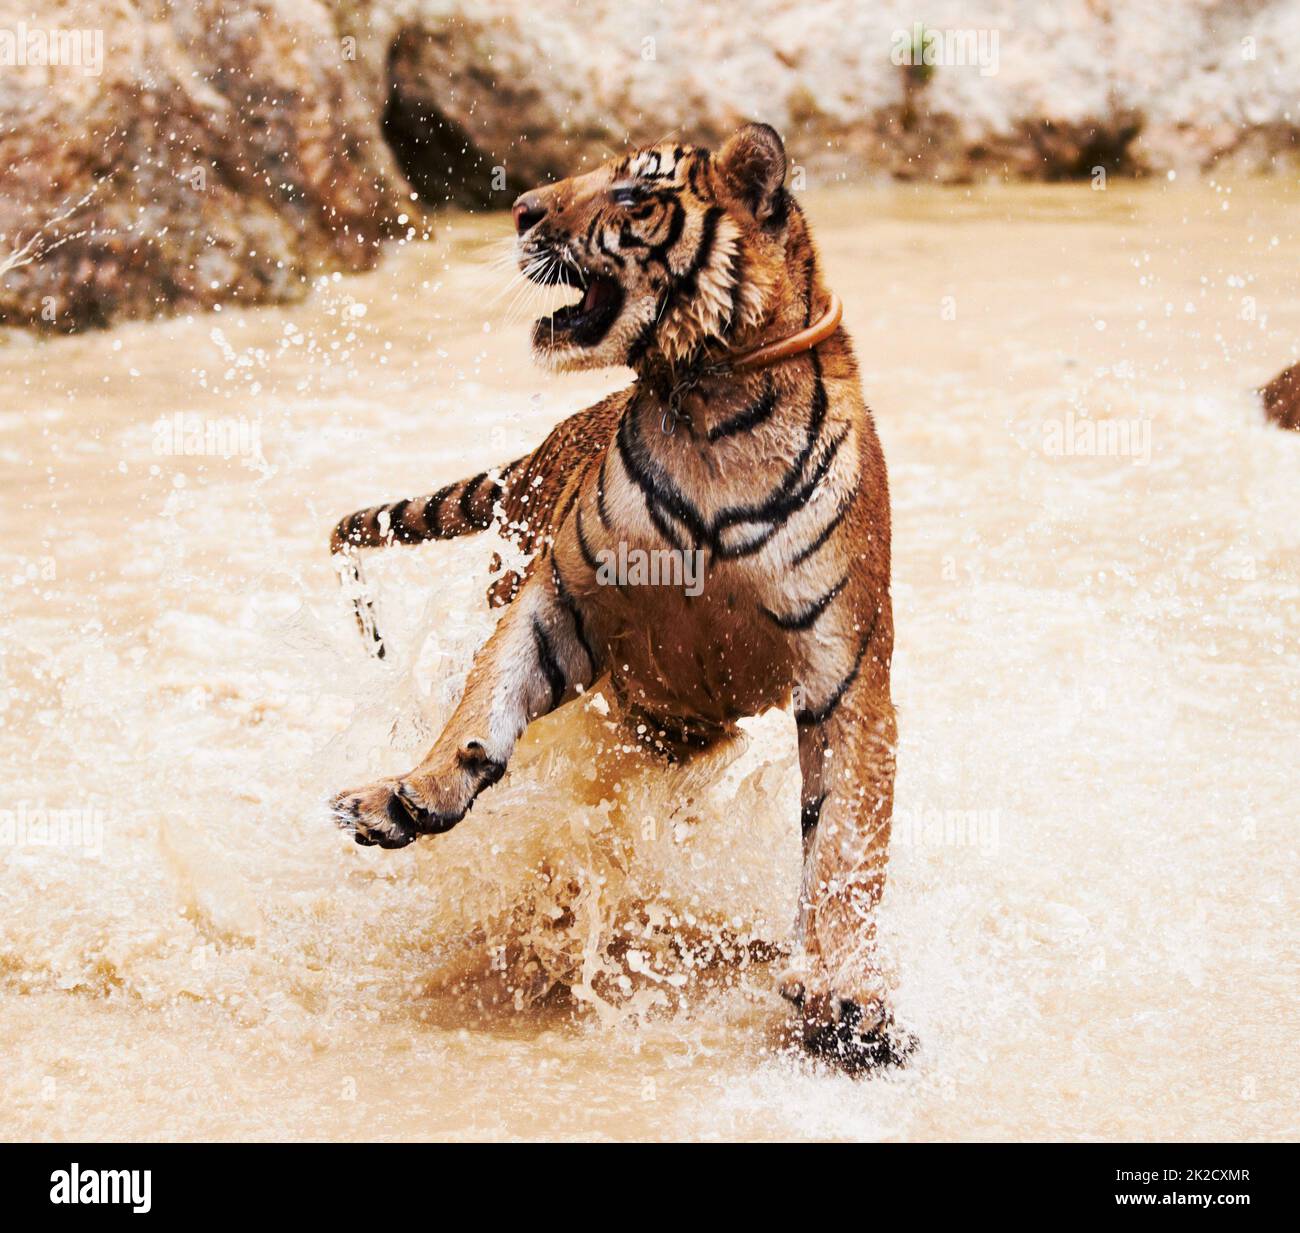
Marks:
<point>685,542</point>
<point>683,632</point>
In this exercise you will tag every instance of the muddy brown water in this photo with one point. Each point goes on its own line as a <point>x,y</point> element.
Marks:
<point>1091,913</point>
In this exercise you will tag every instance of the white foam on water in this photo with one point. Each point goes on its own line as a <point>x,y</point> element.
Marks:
<point>1091,907</point>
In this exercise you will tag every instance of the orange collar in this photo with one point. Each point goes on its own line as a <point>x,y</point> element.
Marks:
<point>805,340</point>
<point>770,353</point>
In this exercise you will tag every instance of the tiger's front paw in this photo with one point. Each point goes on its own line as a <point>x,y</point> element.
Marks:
<point>390,814</point>
<point>428,801</point>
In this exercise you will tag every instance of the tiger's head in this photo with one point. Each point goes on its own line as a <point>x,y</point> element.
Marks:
<point>671,249</point>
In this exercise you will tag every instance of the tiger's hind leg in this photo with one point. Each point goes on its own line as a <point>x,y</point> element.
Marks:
<point>847,736</point>
<point>538,657</point>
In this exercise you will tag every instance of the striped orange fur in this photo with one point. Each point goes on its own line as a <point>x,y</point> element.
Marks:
<point>771,476</point>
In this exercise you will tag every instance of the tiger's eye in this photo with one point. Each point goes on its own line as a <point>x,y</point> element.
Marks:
<point>625,194</point>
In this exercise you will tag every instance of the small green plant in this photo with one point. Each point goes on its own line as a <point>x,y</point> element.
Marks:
<point>918,72</point>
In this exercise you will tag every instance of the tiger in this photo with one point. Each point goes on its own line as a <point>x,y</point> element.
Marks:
<point>744,438</point>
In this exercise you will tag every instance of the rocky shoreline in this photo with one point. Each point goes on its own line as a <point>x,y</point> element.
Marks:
<point>1282,398</point>
<point>229,151</point>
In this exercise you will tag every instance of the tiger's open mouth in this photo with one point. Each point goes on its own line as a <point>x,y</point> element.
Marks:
<point>586,321</point>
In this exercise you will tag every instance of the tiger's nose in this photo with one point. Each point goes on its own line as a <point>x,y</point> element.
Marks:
<point>528,211</point>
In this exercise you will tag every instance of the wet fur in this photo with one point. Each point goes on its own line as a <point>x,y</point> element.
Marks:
<point>776,475</point>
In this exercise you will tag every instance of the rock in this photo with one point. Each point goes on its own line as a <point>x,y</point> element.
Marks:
<point>223,153</point>
<point>1050,91</point>
<point>1282,398</point>
<point>229,150</point>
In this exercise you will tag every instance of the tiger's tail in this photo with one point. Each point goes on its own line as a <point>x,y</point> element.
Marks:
<point>462,508</point>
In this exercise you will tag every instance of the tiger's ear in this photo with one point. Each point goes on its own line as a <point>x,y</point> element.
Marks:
<point>753,167</point>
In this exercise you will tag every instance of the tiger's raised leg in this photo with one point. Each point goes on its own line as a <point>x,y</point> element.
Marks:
<point>538,657</point>
<point>847,737</point>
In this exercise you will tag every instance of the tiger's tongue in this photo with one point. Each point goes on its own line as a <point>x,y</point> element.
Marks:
<point>588,301</point>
